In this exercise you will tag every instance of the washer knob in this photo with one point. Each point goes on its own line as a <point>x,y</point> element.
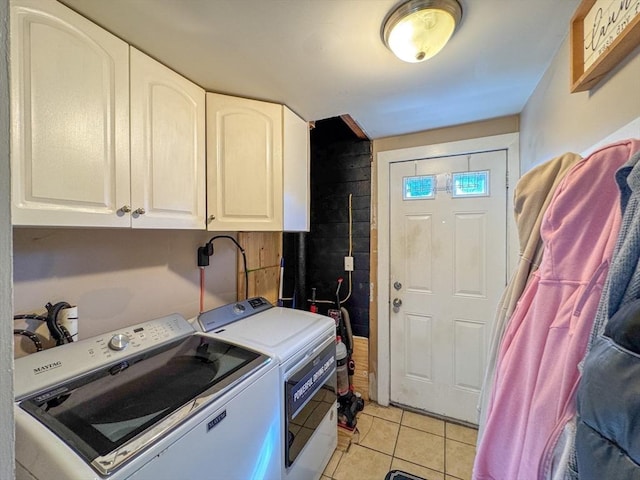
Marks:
<point>119,342</point>
<point>238,309</point>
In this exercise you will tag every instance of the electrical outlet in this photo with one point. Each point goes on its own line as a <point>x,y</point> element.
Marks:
<point>348,264</point>
<point>203,256</point>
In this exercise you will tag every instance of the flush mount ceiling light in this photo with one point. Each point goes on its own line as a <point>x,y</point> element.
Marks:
<point>418,29</point>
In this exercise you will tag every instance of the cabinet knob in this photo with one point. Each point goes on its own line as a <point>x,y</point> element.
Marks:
<point>125,209</point>
<point>139,211</point>
<point>211,218</point>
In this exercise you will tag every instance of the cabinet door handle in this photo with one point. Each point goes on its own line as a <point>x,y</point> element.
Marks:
<point>125,209</point>
<point>211,218</point>
<point>139,211</point>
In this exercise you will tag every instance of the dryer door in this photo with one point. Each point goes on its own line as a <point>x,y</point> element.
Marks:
<point>310,392</point>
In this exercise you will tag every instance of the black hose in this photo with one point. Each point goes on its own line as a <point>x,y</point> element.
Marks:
<point>67,336</point>
<point>57,332</point>
<point>30,316</point>
<point>35,339</point>
<point>347,325</point>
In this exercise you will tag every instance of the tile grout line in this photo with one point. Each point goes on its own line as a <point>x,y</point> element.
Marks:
<point>400,424</point>
<point>395,444</point>
<point>446,437</point>
<point>444,454</point>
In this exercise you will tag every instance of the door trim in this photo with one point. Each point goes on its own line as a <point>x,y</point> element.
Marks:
<point>508,142</point>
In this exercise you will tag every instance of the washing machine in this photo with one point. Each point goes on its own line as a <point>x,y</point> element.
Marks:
<point>152,401</point>
<point>303,344</point>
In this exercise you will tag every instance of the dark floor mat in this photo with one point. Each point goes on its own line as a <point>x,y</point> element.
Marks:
<point>399,475</point>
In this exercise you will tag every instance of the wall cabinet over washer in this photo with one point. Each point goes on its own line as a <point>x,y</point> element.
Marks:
<point>167,147</point>
<point>70,119</point>
<point>257,166</point>
<point>70,107</point>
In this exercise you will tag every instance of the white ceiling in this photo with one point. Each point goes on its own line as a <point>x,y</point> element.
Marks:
<point>325,58</point>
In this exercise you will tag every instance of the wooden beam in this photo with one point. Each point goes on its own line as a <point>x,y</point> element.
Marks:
<point>355,128</point>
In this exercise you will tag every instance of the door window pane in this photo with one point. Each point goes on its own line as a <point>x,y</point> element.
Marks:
<point>470,184</point>
<point>420,187</point>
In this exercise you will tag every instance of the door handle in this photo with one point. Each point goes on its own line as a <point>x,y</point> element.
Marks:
<point>397,303</point>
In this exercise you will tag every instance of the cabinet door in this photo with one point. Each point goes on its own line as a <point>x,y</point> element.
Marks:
<point>167,147</point>
<point>244,164</point>
<point>296,173</point>
<point>70,118</point>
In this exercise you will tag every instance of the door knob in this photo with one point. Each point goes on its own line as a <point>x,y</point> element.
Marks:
<point>397,303</point>
<point>125,209</point>
<point>397,285</point>
<point>139,211</point>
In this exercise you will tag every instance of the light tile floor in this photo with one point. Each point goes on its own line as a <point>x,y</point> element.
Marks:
<point>390,438</point>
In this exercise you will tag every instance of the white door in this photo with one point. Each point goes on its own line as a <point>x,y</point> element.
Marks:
<point>69,117</point>
<point>167,147</point>
<point>447,271</point>
<point>244,164</point>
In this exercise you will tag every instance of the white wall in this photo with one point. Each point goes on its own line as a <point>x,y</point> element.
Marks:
<point>119,277</point>
<point>555,121</point>
<point>6,309</point>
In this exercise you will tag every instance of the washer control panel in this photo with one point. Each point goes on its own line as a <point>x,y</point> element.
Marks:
<point>212,320</point>
<point>42,369</point>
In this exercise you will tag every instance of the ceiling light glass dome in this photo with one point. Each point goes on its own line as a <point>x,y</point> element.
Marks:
<point>419,29</point>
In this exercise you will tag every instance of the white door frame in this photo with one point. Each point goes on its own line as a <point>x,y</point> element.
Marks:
<point>508,142</point>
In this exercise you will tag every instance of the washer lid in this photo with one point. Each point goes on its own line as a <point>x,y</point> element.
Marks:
<point>278,332</point>
<point>114,413</point>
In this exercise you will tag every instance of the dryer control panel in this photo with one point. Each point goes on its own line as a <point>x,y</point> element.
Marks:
<point>212,320</point>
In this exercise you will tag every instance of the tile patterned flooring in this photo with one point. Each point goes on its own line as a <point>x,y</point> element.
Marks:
<point>390,438</point>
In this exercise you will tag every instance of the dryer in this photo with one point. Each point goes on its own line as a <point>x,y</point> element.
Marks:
<point>304,346</point>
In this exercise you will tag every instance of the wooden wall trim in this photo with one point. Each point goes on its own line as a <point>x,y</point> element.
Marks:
<point>263,251</point>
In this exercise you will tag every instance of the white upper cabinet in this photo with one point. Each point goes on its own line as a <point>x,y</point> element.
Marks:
<point>167,147</point>
<point>77,96</point>
<point>70,119</point>
<point>297,188</point>
<point>247,144</point>
<point>105,136</point>
<point>244,164</point>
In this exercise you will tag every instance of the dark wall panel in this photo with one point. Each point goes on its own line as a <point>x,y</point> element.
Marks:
<point>340,166</point>
<point>339,169</point>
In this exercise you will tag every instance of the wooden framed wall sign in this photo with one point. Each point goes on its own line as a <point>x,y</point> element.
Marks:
<point>603,33</point>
